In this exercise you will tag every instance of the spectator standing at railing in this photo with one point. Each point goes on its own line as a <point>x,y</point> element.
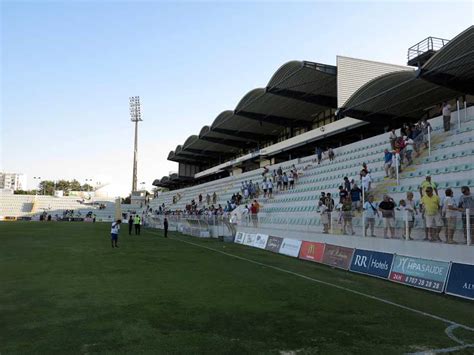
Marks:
<point>409,147</point>
<point>279,182</point>
<point>356,194</point>
<point>319,154</point>
<point>446,112</point>
<point>431,207</point>
<point>366,181</point>
<point>295,173</point>
<point>412,210</point>
<point>346,209</point>
<point>387,208</point>
<point>392,138</point>
<point>426,184</point>
<point>324,216</point>
<point>280,171</point>
<point>254,209</point>
<point>322,198</point>
<point>466,201</point>
<point>291,180</point>
<point>347,184</point>
<point>214,198</point>
<point>425,129</point>
<point>285,182</point>
<point>329,202</point>
<point>342,194</point>
<point>270,188</point>
<point>449,214</point>
<point>370,208</point>
<point>208,199</point>
<point>387,158</point>
<point>331,154</point>
<point>264,187</point>
<point>200,198</point>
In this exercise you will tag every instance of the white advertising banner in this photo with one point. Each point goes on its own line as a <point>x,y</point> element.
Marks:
<point>239,238</point>
<point>290,247</point>
<point>250,239</point>
<point>261,241</point>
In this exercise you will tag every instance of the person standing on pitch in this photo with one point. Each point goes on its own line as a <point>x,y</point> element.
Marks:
<point>114,232</point>
<point>130,225</point>
<point>137,224</point>
<point>165,225</point>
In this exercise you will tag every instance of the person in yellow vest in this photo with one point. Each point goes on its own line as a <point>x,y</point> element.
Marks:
<point>137,222</point>
<point>431,208</point>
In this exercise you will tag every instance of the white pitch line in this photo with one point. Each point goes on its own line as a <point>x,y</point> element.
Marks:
<point>450,322</point>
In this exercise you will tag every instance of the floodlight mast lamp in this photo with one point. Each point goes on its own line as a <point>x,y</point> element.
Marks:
<point>135,116</point>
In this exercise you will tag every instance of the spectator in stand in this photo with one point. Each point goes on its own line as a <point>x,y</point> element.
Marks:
<point>347,184</point>
<point>366,182</point>
<point>246,192</point>
<point>322,198</point>
<point>319,154</point>
<point>214,198</point>
<point>392,138</point>
<point>370,208</point>
<point>285,182</point>
<point>431,206</point>
<point>279,182</point>
<point>324,216</point>
<point>280,171</point>
<point>342,194</point>
<point>428,183</point>
<point>254,208</point>
<point>365,167</point>
<point>331,154</point>
<point>208,199</point>
<point>387,162</point>
<point>200,198</point>
<point>411,210</point>
<point>425,130</point>
<point>264,187</point>
<point>347,216</point>
<point>446,111</point>
<point>329,202</point>
<point>274,176</point>
<point>387,208</point>
<point>466,201</point>
<point>270,188</point>
<point>400,147</point>
<point>295,173</point>
<point>449,212</point>
<point>409,147</point>
<point>291,180</point>
<point>395,163</point>
<point>355,194</point>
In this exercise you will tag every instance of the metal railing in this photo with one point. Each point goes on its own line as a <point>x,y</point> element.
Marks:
<point>426,45</point>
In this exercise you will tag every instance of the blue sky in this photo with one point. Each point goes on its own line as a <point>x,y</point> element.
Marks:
<point>68,69</point>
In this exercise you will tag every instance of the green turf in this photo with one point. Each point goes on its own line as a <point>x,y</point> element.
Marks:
<point>63,289</point>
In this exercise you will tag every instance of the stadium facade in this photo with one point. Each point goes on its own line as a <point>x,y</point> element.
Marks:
<point>307,104</point>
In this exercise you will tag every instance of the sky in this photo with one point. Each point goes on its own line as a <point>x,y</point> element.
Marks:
<point>68,69</point>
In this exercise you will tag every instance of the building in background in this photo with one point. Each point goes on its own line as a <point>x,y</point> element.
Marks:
<point>13,181</point>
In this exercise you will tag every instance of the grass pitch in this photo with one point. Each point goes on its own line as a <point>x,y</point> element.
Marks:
<point>63,289</point>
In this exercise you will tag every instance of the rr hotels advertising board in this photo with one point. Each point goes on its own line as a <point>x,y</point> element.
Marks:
<point>337,256</point>
<point>461,281</point>
<point>372,263</point>
<point>312,251</point>
<point>422,273</point>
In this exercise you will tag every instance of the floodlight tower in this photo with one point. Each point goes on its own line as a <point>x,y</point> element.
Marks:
<point>135,116</point>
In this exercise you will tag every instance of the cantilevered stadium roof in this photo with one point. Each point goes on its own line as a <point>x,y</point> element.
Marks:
<point>295,94</point>
<point>397,95</point>
<point>453,65</point>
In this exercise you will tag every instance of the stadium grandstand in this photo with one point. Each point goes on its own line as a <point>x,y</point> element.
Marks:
<point>346,111</point>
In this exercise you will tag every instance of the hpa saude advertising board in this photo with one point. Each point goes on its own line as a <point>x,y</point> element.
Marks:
<point>423,273</point>
<point>461,281</point>
<point>372,263</point>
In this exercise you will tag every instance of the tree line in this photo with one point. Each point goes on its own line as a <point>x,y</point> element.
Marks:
<point>47,187</point>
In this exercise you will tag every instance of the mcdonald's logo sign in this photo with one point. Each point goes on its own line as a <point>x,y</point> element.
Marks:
<point>312,251</point>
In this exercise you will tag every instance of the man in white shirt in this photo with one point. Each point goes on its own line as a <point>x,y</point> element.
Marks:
<point>409,149</point>
<point>114,232</point>
<point>370,212</point>
<point>446,111</point>
<point>449,212</point>
<point>366,181</point>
